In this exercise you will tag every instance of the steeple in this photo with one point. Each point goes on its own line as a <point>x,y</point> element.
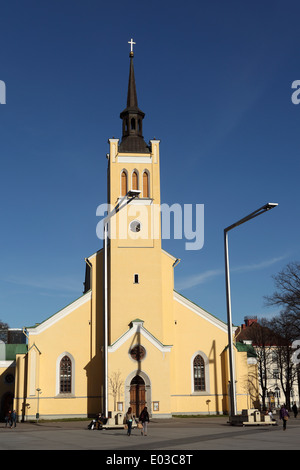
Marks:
<point>132,117</point>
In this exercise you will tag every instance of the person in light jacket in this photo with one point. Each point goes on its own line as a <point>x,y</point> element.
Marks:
<point>129,420</point>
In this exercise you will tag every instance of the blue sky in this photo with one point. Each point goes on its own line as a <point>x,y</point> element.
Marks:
<point>214,79</point>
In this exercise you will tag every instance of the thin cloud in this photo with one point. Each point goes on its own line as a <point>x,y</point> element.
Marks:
<point>262,265</point>
<point>57,284</point>
<point>198,279</point>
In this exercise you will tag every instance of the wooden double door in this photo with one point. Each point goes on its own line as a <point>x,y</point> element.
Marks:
<point>137,395</point>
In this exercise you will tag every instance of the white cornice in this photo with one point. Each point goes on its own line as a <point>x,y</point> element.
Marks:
<point>168,254</point>
<point>5,364</point>
<point>199,311</point>
<point>59,315</point>
<point>134,158</point>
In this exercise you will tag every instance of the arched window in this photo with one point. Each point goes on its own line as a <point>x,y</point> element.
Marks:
<point>123,183</point>
<point>199,373</point>
<point>145,184</point>
<point>133,124</point>
<point>65,375</point>
<point>134,180</point>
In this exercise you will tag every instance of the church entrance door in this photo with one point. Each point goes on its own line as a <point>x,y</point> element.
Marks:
<point>137,395</point>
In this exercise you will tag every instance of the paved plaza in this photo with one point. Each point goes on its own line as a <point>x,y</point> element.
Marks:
<point>173,435</point>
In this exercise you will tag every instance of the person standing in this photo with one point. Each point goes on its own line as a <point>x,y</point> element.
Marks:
<point>129,420</point>
<point>284,415</point>
<point>144,419</point>
<point>295,410</point>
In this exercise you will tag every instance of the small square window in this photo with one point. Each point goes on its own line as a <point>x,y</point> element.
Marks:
<point>136,279</point>
<point>156,406</point>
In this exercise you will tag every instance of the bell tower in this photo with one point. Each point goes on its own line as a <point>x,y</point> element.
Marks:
<point>134,253</point>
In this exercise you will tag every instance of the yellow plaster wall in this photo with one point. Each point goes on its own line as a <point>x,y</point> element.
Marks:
<point>72,335</point>
<point>156,365</point>
<point>194,334</point>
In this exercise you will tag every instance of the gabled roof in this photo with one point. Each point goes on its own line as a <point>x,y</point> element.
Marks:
<point>137,327</point>
<point>200,311</point>
<point>35,330</point>
<point>244,347</point>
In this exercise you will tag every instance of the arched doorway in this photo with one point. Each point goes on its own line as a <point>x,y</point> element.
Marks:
<point>137,394</point>
<point>6,404</point>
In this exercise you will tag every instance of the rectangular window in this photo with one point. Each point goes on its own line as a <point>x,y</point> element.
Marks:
<point>136,279</point>
<point>156,406</point>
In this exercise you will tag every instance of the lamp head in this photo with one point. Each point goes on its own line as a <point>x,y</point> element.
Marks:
<point>270,205</point>
<point>133,193</point>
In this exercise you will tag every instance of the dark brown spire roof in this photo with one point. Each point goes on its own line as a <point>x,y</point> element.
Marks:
<point>132,117</point>
<point>131,94</point>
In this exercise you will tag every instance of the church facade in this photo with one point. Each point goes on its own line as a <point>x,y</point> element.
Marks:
<point>130,339</point>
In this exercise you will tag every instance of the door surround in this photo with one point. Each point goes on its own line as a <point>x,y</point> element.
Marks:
<point>128,380</point>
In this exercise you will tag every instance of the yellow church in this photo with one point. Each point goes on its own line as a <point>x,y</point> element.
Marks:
<point>130,339</point>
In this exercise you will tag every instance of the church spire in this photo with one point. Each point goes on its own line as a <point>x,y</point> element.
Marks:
<point>132,117</point>
<point>131,94</point>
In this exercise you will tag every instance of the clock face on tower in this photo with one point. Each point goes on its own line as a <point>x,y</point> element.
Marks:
<point>138,352</point>
<point>135,226</point>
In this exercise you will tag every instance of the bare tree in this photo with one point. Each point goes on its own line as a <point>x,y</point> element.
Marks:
<point>116,386</point>
<point>261,337</point>
<point>287,294</point>
<point>283,336</point>
<point>3,331</point>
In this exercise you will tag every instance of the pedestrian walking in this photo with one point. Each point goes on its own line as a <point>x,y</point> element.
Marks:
<point>295,410</point>
<point>144,419</point>
<point>269,413</point>
<point>284,415</point>
<point>129,420</point>
<point>8,419</point>
<point>13,421</point>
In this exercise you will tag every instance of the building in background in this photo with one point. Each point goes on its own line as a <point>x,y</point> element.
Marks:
<point>273,363</point>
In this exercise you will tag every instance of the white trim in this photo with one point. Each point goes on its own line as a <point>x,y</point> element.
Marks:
<point>57,386</point>
<point>138,178</point>
<point>123,171</point>
<point>61,314</point>
<point>199,311</point>
<point>168,254</point>
<point>142,182</point>
<point>206,374</point>
<point>138,328</point>
<point>6,364</point>
<point>133,159</point>
<point>148,388</point>
<point>139,201</point>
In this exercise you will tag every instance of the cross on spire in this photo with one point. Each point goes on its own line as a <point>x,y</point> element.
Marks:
<point>131,46</point>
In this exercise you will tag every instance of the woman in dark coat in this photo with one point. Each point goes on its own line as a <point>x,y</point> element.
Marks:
<point>144,419</point>
<point>284,415</point>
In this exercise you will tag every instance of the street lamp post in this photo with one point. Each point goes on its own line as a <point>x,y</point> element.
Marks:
<point>38,405</point>
<point>132,194</point>
<point>261,210</point>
